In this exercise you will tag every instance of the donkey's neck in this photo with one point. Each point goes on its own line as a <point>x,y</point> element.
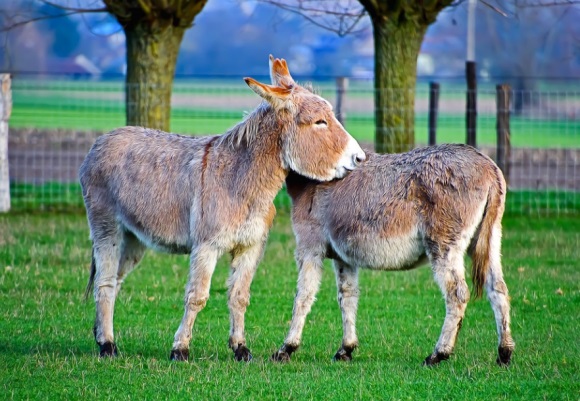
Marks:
<point>255,147</point>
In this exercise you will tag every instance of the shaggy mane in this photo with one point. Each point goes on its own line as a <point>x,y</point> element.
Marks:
<point>246,130</point>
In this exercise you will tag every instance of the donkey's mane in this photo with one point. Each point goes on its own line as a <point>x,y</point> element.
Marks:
<point>246,130</point>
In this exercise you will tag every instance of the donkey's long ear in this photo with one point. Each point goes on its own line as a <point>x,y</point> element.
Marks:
<point>277,96</point>
<point>279,73</point>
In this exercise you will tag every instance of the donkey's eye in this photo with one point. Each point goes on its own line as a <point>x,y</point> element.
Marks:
<point>321,122</point>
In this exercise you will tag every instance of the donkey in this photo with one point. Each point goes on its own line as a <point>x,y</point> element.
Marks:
<point>393,213</point>
<point>204,197</point>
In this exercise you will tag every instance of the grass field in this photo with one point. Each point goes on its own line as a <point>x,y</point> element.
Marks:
<point>47,349</point>
<point>451,128</point>
<point>99,106</point>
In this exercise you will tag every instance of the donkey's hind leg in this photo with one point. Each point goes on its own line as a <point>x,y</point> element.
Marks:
<point>348,294</point>
<point>131,254</point>
<point>107,253</point>
<point>449,272</point>
<point>497,293</point>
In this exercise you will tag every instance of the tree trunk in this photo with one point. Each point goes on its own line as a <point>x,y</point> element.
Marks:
<point>151,58</point>
<point>397,45</point>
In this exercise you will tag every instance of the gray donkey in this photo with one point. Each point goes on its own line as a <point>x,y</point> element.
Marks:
<point>393,213</point>
<point>204,196</point>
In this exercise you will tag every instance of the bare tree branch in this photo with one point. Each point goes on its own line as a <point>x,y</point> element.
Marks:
<point>494,8</point>
<point>76,9</point>
<point>341,17</point>
<point>544,3</point>
<point>13,23</point>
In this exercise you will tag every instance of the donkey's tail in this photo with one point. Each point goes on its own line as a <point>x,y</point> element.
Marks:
<point>481,243</point>
<point>92,276</point>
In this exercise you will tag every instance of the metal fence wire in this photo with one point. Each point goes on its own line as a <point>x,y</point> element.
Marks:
<point>55,121</point>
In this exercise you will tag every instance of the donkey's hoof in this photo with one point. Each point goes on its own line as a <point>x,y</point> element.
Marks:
<point>435,358</point>
<point>343,355</point>
<point>504,356</point>
<point>242,353</point>
<point>108,349</point>
<point>179,355</point>
<point>281,356</point>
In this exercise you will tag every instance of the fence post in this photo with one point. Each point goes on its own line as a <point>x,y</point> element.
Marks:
<point>341,87</point>
<point>433,111</point>
<point>503,129</point>
<point>471,107</point>
<point>5,111</point>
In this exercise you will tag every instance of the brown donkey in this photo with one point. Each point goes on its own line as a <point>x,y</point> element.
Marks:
<point>204,196</point>
<point>392,213</point>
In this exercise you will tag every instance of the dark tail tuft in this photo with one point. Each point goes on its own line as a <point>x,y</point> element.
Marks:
<point>91,278</point>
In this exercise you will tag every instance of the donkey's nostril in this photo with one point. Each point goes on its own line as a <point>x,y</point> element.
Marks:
<point>358,158</point>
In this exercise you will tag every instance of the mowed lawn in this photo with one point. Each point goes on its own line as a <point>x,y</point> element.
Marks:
<point>212,108</point>
<point>47,349</point>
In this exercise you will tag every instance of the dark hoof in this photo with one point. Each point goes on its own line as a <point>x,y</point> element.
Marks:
<point>435,358</point>
<point>281,356</point>
<point>108,350</point>
<point>343,354</point>
<point>179,355</point>
<point>242,353</point>
<point>284,353</point>
<point>504,356</point>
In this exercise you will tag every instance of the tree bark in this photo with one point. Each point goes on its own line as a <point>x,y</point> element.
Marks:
<point>397,45</point>
<point>153,30</point>
<point>151,58</point>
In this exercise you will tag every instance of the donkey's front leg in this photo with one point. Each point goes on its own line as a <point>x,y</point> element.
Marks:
<point>450,276</point>
<point>244,264</point>
<point>348,294</point>
<point>202,265</point>
<point>309,277</point>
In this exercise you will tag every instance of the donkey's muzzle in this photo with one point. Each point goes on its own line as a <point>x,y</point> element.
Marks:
<point>358,159</point>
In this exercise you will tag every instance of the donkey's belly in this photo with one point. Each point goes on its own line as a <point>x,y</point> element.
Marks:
<point>393,253</point>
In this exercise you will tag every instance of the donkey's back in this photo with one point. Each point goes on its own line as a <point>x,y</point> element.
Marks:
<point>429,201</point>
<point>151,168</point>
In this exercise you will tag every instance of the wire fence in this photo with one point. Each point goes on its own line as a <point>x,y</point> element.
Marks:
<point>54,123</point>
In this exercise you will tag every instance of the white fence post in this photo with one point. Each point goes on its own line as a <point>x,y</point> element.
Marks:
<point>5,110</point>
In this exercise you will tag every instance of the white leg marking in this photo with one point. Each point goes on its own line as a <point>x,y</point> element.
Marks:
<point>450,276</point>
<point>202,266</point>
<point>244,265</point>
<point>497,293</point>
<point>348,295</point>
<point>309,277</point>
<point>107,255</point>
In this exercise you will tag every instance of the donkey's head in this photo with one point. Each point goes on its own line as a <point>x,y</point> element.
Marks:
<point>313,142</point>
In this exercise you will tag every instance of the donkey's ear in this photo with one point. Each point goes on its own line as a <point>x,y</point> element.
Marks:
<point>279,73</point>
<point>277,96</point>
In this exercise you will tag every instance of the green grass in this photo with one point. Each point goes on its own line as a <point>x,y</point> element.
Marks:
<point>89,106</point>
<point>47,349</point>
<point>451,129</point>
